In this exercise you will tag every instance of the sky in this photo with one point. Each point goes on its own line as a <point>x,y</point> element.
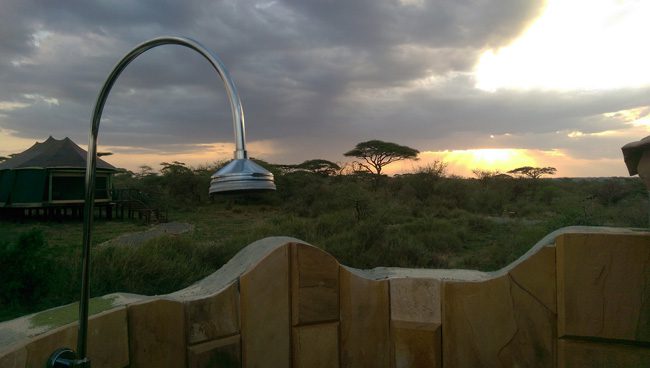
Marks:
<point>479,84</point>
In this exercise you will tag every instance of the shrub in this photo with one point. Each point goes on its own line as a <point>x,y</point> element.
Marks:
<point>26,269</point>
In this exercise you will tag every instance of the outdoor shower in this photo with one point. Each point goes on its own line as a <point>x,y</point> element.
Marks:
<point>241,174</point>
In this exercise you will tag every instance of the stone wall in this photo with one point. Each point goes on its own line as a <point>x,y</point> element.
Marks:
<point>579,298</point>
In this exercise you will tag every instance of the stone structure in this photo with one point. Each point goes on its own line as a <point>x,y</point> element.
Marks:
<point>579,298</point>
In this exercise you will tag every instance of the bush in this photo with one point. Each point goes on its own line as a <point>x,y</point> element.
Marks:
<point>26,270</point>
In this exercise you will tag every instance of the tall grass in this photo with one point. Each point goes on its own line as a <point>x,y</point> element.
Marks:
<point>419,220</point>
<point>33,277</point>
<point>158,266</point>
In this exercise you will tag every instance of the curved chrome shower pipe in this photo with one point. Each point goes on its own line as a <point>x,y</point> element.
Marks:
<point>217,64</point>
<point>239,174</point>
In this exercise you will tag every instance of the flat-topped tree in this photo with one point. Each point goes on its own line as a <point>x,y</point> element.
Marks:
<point>376,154</point>
<point>533,172</point>
<point>319,166</point>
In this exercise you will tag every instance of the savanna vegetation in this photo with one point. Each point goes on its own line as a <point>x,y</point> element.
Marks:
<point>426,218</point>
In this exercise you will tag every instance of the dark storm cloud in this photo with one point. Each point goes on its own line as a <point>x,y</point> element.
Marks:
<point>376,24</point>
<point>314,76</point>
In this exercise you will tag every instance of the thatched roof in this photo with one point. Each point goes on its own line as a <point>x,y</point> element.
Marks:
<point>53,153</point>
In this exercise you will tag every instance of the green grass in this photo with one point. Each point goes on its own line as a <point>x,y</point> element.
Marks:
<point>67,234</point>
<point>410,221</point>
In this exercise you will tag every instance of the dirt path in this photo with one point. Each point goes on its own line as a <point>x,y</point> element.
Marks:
<point>168,228</point>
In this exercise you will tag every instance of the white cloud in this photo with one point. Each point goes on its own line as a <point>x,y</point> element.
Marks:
<point>575,44</point>
<point>39,36</point>
<point>12,105</point>
<point>50,101</point>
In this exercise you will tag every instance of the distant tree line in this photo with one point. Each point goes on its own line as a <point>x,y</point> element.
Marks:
<point>178,184</point>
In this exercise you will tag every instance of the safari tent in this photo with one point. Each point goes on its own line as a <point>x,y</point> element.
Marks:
<point>51,174</point>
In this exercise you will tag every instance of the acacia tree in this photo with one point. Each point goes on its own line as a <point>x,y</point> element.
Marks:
<point>376,154</point>
<point>533,172</point>
<point>180,183</point>
<point>436,169</point>
<point>485,175</point>
<point>145,170</point>
<point>319,166</point>
<point>174,168</point>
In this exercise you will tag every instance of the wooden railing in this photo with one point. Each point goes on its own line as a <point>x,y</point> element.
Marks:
<point>132,203</point>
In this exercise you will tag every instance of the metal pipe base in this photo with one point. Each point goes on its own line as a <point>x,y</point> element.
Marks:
<point>66,358</point>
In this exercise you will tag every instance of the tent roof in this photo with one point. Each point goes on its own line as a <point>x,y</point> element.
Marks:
<point>632,154</point>
<point>53,153</point>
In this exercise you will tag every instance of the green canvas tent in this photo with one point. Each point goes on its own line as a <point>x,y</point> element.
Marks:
<point>51,173</point>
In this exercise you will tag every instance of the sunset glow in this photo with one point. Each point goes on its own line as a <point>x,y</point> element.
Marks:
<point>462,162</point>
<point>570,47</point>
<point>12,144</point>
<point>131,158</point>
<point>638,117</point>
<point>494,159</point>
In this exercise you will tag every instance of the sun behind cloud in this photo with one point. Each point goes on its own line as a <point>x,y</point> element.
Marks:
<point>574,45</point>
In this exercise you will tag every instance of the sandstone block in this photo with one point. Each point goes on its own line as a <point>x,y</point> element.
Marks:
<point>316,346</point>
<point>537,276</point>
<point>534,342</point>
<point>365,332</point>
<point>213,317</point>
<point>315,285</point>
<point>265,312</point>
<point>580,354</point>
<point>157,334</point>
<point>223,353</point>
<point>478,321</point>
<point>416,344</point>
<point>603,286</point>
<point>42,346</point>
<point>107,341</point>
<point>17,358</point>
<point>495,323</point>
<point>415,300</point>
